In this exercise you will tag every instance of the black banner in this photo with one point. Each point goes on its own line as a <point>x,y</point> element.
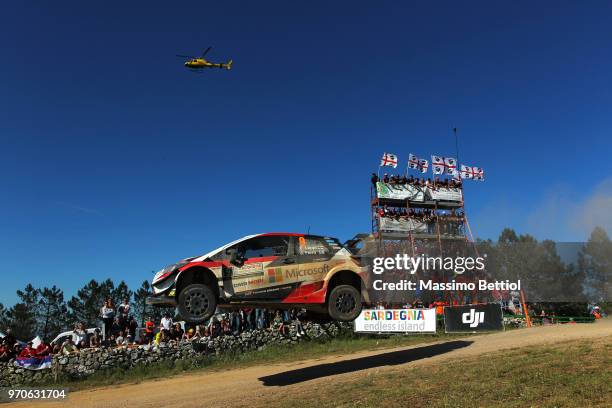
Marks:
<point>473,318</point>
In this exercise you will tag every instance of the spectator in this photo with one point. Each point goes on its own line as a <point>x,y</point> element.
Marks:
<point>124,310</point>
<point>120,340</point>
<point>374,179</point>
<point>197,335</point>
<point>79,334</point>
<point>28,351</point>
<point>108,315</point>
<point>68,347</point>
<point>166,323</point>
<point>385,178</point>
<point>188,335</point>
<point>9,338</point>
<point>96,339</point>
<point>5,352</point>
<point>132,326</point>
<point>149,330</point>
<point>179,332</point>
<point>116,326</point>
<point>43,349</point>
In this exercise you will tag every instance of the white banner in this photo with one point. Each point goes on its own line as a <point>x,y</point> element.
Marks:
<point>401,225</point>
<point>399,192</point>
<point>396,321</point>
<point>445,194</point>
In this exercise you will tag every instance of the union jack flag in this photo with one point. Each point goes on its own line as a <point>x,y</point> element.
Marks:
<point>388,159</point>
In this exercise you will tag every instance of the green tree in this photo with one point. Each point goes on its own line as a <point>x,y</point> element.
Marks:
<point>85,306</point>
<point>595,261</point>
<point>4,320</point>
<point>22,316</point>
<point>141,309</point>
<point>51,312</point>
<point>120,293</point>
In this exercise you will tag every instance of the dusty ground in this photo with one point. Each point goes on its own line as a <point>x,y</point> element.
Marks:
<point>246,386</point>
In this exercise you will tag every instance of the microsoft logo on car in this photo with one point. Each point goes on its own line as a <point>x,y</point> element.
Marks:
<point>275,275</point>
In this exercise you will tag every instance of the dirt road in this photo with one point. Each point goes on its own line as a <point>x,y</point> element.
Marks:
<point>247,385</point>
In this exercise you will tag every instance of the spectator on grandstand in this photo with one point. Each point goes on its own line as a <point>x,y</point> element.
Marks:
<point>68,347</point>
<point>107,312</point>
<point>374,179</point>
<point>385,178</point>
<point>411,180</point>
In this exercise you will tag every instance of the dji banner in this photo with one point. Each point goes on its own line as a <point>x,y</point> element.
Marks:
<point>473,318</point>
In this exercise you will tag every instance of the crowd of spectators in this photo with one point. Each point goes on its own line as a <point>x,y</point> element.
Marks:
<point>11,348</point>
<point>119,329</point>
<point>437,182</point>
<point>450,221</point>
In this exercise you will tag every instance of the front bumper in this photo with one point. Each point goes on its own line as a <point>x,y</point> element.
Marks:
<point>161,300</point>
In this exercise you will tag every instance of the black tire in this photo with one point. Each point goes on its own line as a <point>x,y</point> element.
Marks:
<point>196,303</point>
<point>344,303</point>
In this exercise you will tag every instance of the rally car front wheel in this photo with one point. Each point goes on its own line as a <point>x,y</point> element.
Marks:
<point>344,303</point>
<point>196,303</point>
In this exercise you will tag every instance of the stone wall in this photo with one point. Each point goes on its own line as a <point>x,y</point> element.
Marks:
<point>88,362</point>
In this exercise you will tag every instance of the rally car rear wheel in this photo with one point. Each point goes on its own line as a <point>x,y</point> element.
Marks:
<point>196,303</point>
<point>344,303</point>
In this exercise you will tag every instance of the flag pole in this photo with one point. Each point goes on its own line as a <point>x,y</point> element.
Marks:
<point>456,145</point>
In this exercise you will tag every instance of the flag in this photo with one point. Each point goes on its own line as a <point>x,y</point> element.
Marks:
<point>34,363</point>
<point>478,173</point>
<point>417,164</point>
<point>472,172</point>
<point>389,159</point>
<point>450,165</point>
<point>437,164</point>
<point>466,172</point>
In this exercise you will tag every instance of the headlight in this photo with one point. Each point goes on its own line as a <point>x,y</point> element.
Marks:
<point>167,271</point>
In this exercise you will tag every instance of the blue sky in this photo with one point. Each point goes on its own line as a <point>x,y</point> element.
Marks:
<point>117,161</point>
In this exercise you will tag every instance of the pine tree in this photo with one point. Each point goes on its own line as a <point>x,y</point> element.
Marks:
<point>22,316</point>
<point>4,320</point>
<point>120,293</point>
<point>51,313</point>
<point>141,309</point>
<point>595,261</point>
<point>85,306</point>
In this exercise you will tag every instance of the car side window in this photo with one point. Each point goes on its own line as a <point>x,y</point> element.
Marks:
<point>259,247</point>
<point>312,246</point>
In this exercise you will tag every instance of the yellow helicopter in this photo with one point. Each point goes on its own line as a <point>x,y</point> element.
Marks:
<point>197,63</point>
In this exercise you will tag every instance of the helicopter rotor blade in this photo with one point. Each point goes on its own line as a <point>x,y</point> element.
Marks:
<point>205,52</point>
